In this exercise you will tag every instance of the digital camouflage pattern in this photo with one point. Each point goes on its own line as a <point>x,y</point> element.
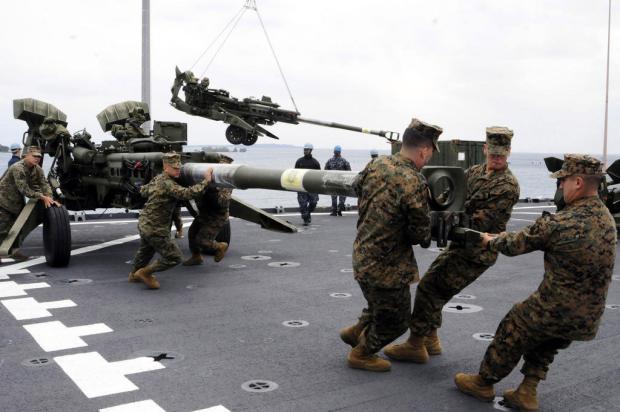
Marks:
<point>386,316</point>
<point>7,219</point>
<point>579,245</point>
<point>169,251</point>
<point>489,202</point>
<point>498,140</point>
<point>578,164</point>
<point>213,213</point>
<point>163,192</point>
<point>393,216</point>
<point>20,181</point>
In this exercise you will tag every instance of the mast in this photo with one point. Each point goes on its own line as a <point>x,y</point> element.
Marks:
<point>607,89</point>
<point>146,58</point>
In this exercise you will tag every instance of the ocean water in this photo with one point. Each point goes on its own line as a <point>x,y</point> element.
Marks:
<point>528,167</point>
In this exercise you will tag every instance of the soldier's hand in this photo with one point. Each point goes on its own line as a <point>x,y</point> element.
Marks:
<point>48,201</point>
<point>209,175</point>
<point>486,238</point>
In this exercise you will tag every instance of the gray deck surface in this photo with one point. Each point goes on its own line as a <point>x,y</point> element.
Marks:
<point>223,327</point>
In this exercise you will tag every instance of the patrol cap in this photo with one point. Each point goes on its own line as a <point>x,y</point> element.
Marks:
<point>337,148</point>
<point>579,164</point>
<point>15,147</point>
<point>308,146</point>
<point>225,159</point>
<point>35,151</point>
<point>425,130</point>
<point>374,152</point>
<point>173,159</point>
<point>498,140</point>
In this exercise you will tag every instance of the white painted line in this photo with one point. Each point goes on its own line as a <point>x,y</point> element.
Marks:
<point>29,308</point>
<point>535,207</point>
<point>527,213</point>
<point>10,288</point>
<point>96,377</point>
<point>218,408</point>
<point>5,276</point>
<point>142,406</point>
<point>53,336</point>
<point>522,220</point>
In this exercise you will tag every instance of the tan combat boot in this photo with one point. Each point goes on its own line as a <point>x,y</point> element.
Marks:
<point>475,386</point>
<point>524,398</point>
<point>360,358</point>
<point>433,344</point>
<point>133,278</point>
<point>19,256</point>
<point>145,275</point>
<point>195,259</point>
<point>412,350</point>
<point>220,251</point>
<point>351,335</point>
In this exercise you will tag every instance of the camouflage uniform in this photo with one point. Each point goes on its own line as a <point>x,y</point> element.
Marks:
<point>337,163</point>
<point>579,245</point>
<point>490,199</point>
<point>19,181</point>
<point>393,215</point>
<point>163,192</point>
<point>213,208</point>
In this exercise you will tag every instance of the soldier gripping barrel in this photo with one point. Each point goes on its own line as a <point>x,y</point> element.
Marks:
<point>579,244</point>
<point>163,193</point>
<point>393,216</point>
<point>492,191</point>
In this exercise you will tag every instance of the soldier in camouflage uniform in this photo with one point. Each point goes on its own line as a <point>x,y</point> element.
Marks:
<point>23,179</point>
<point>492,191</point>
<point>393,216</point>
<point>213,215</point>
<point>132,128</point>
<point>163,193</point>
<point>178,222</point>
<point>579,245</point>
<point>337,162</point>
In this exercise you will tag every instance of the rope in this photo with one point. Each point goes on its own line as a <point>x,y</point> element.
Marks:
<point>218,36</point>
<point>276,58</point>
<point>243,9</point>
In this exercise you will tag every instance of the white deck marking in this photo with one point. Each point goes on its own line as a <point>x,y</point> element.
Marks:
<point>5,276</point>
<point>141,406</point>
<point>53,336</point>
<point>534,207</point>
<point>522,220</point>
<point>96,377</point>
<point>10,288</point>
<point>29,308</point>
<point>527,213</point>
<point>218,408</point>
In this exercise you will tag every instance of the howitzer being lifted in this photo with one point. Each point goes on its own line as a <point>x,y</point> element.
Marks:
<point>88,176</point>
<point>245,116</point>
<point>447,189</point>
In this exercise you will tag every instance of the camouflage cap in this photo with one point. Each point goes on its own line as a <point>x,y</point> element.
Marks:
<point>579,164</point>
<point>34,151</point>
<point>429,131</point>
<point>498,140</point>
<point>172,158</point>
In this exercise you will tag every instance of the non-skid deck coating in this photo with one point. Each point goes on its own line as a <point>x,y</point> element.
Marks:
<point>215,327</point>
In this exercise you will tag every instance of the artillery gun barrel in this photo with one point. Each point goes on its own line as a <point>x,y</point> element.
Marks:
<point>295,180</point>
<point>388,135</point>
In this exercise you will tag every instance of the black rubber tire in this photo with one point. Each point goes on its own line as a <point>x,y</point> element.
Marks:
<point>57,236</point>
<point>223,236</point>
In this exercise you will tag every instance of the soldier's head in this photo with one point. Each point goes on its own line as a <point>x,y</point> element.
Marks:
<point>137,113</point>
<point>374,153</point>
<point>420,141</point>
<point>172,164</point>
<point>580,176</point>
<point>337,150</point>
<point>497,147</point>
<point>308,149</point>
<point>33,156</point>
<point>226,159</point>
<point>16,149</point>
<point>204,82</point>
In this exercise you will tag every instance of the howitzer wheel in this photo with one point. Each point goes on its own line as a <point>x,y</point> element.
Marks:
<point>235,134</point>
<point>57,236</point>
<point>250,139</point>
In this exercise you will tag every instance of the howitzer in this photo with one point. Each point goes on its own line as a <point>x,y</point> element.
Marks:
<point>446,186</point>
<point>87,176</point>
<point>244,116</point>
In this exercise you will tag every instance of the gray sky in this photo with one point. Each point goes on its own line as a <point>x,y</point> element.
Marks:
<point>536,66</point>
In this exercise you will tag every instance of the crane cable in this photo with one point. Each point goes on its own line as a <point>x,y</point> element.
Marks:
<point>249,4</point>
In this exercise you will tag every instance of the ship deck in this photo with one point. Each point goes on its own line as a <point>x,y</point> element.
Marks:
<point>106,344</point>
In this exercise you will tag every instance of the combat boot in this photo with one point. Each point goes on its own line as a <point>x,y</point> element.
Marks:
<point>145,275</point>
<point>195,259</point>
<point>133,278</point>
<point>333,213</point>
<point>360,358</point>
<point>475,386</point>
<point>524,397</point>
<point>433,344</point>
<point>19,256</point>
<point>351,335</point>
<point>412,350</point>
<point>220,251</point>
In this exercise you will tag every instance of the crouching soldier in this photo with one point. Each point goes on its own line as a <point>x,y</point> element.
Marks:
<point>162,192</point>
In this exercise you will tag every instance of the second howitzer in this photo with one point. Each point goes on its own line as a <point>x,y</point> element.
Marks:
<point>446,190</point>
